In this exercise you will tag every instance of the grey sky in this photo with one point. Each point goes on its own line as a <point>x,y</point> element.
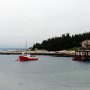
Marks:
<point>36,20</point>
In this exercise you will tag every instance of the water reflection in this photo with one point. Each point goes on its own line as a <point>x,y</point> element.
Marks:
<point>85,61</point>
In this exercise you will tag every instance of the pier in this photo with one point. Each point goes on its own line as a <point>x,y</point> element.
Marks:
<point>84,53</point>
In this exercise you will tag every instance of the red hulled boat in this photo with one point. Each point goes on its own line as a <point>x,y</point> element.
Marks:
<point>26,57</point>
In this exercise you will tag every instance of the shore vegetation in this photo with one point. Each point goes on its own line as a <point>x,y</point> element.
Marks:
<point>64,42</point>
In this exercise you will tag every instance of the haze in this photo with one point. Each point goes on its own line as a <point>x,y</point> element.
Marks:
<point>37,20</point>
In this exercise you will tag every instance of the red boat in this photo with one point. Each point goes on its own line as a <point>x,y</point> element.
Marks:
<point>27,58</point>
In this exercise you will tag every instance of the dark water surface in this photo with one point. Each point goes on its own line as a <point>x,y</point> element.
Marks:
<point>48,73</point>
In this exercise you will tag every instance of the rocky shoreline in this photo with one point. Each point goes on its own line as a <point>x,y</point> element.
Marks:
<point>63,53</point>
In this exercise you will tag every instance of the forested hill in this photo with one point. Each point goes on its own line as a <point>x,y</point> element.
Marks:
<point>66,41</point>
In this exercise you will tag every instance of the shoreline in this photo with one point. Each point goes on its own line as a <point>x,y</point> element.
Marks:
<point>62,53</point>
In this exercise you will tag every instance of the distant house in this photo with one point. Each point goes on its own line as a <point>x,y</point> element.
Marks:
<point>85,44</point>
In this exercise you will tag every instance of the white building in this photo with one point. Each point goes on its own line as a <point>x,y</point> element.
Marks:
<point>86,44</point>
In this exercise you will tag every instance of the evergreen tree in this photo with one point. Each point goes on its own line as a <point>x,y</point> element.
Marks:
<point>62,43</point>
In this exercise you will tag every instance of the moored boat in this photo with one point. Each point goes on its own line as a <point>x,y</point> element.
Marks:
<point>26,57</point>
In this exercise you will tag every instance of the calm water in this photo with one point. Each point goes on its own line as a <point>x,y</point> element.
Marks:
<point>48,73</point>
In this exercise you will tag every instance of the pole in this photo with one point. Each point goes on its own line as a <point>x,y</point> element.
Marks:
<point>26,45</point>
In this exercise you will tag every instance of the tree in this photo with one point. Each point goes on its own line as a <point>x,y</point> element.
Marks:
<point>64,42</point>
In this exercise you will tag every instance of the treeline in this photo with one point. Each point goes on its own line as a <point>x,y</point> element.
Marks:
<point>66,41</point>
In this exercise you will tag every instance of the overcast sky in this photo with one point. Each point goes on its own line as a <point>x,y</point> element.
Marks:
<point>37,20</point>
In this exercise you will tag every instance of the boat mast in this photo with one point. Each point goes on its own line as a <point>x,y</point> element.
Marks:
<point>26,45</point>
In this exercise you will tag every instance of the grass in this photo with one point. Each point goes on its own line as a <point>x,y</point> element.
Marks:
<point>74,48</point>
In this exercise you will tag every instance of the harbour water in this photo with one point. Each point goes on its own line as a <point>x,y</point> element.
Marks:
<point>48,73</point>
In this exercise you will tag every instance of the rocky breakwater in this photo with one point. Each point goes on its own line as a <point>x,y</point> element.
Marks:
<point>63,53</point>
<point>10,52</point>
<point>42,52</point>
